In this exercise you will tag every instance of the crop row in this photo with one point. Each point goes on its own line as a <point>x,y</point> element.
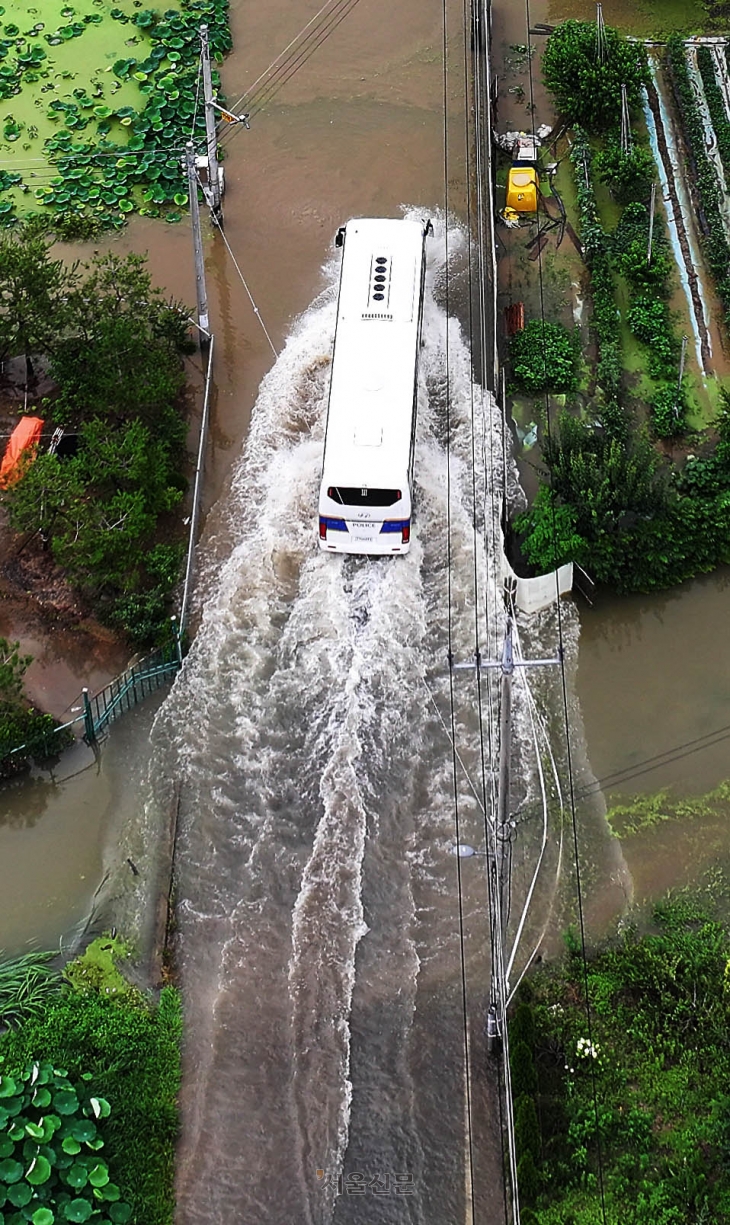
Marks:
<point>704,180</point>
<point>715,105</point>
<point>598,261</point>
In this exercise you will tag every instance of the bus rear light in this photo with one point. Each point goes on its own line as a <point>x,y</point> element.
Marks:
<point>398,525</point>
<point>334,525</point>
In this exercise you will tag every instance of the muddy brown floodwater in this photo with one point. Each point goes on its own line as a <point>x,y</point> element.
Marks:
<point>358,130</point>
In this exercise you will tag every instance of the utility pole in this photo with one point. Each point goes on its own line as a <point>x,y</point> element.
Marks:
<point>202,296</point>
<point>652,208</point>
<point>600,34</point>
<point>214,186</point>
<point>625,122</point>
<point>681,376</point>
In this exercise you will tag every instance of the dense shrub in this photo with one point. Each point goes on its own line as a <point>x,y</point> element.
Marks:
<point>544,358</point>
<point>587,89</point>
<point>629,176</point>
<point>654,1094</point>
<point>669,413</point>
<point>649,320</point>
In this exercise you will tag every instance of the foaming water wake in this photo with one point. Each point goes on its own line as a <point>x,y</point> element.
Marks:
<point>304,735</point>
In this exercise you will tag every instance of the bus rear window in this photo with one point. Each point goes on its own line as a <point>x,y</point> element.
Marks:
<point>349,496</point>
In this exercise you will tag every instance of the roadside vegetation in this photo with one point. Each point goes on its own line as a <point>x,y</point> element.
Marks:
<point>20,723</point>
<point>88,1094</point>
<point>102,502</point>
<point>613,498</point>
<point>620,1070</point>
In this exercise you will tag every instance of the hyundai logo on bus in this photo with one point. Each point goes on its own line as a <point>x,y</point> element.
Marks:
<point>365,498</point>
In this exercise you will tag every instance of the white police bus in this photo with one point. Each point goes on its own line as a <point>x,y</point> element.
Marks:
<point>365,497</point>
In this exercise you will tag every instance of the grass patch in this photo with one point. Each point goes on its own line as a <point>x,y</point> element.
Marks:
<point>96,969</point>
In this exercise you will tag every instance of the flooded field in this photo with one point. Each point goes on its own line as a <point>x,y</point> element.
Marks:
<point>318,898</point>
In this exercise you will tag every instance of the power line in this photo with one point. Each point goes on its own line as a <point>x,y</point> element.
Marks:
<point>564,686</point>
<point>269,90</point>
<point>255,308</point>
<point>248,93</point>
<point>449,560</point>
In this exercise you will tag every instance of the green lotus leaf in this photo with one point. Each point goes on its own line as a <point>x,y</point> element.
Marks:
<point>43,1216</point>
<point>51,1124</point>
<point>8,1087</point>
<point>34,1131</point>
<point>99,1176</point>
<point>78,1210</point>
<point>98,1143</point>
<point>180,199</point>
<point>172,218</point>
<point>102,112</point>
<point>120,1213</point>
<point>110,1193</point>
<point>11,30</point>
<point>6,1147</point>
<point>41,1098</point>
<point>17,1131</point>
<point>39,1171</point>
<point>126,206</point>
<point>83,1130</point>
<point>70,1145</point>
<point>10,1171</point>
<point>12,1106</point>
<point>77,1176</point>
<point>53,40</point>
<point>20,1194</point>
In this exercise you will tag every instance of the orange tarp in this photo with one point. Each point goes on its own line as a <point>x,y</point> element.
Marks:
<point>25,435</point>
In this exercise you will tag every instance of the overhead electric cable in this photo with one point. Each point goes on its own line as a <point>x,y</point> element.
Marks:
<point>259,98</point>
<point>249,92</point>
<point>449,560</point>
<point>255,308</point>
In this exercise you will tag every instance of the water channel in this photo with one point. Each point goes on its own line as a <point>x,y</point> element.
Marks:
<point>318,916</point>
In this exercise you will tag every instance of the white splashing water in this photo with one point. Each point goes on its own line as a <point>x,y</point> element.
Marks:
<point>303,703</point>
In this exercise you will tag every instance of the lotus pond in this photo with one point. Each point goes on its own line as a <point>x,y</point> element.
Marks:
<point>97,104</point>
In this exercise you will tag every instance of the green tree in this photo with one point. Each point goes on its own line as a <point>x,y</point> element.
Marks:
<point>586,84</point>
<point>527,1128</point>
<point>523,1071</point>
<point>120,354</point>
<point>33,295</point>
<point>13,667</point>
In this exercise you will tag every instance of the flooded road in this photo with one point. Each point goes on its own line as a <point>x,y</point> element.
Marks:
<point>318,901</point>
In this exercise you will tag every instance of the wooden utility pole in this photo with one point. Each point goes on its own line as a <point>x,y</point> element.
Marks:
<point>214,186</point>
<point>202,296</point>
